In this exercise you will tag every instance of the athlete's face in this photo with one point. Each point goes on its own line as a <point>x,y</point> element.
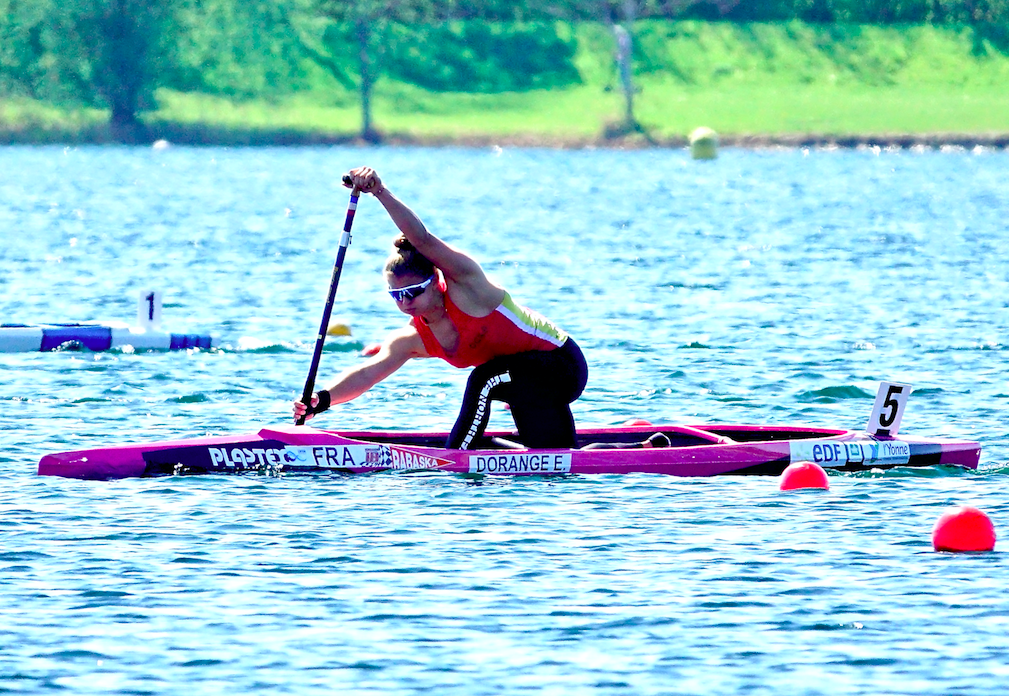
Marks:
<point>414,295</point>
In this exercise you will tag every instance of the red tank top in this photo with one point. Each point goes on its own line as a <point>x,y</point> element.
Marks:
<point>509,329</point>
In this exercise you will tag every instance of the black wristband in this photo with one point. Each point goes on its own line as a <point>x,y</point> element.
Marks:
<point>324,401</point>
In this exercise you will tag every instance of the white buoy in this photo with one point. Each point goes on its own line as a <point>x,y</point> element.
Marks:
<point>703,143</point>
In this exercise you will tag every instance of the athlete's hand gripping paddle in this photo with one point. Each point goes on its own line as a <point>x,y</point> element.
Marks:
<point>320,341</point>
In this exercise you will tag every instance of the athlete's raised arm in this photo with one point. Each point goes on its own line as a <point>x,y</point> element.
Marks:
<point>457,267</point>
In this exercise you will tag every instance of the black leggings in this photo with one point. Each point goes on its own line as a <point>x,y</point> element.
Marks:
<point>538,385</point>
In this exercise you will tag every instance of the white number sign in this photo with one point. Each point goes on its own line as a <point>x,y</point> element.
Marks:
<point>149,310</point>
<point>888,408</point>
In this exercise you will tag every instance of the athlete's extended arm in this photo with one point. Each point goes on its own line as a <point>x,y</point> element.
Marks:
<point>399,347</point>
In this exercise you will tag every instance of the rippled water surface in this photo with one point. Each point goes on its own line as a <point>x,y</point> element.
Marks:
<point>774,287</point>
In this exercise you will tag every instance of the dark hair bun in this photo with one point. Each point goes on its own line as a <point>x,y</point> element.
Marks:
<point>403,244</point>
<point>406,260</point>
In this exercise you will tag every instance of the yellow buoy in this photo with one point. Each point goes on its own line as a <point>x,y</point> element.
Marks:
<point>703,143</point>
<point>338,328</point>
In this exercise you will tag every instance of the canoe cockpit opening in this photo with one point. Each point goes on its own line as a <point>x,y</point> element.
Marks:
<point>617,438</point>
<point>759,433</point>
<point>675,436</point>
<point>406,439</point>
<point>679,436</point>
<point>491,441</point>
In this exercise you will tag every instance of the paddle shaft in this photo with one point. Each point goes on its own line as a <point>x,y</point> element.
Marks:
<point>320,341</point>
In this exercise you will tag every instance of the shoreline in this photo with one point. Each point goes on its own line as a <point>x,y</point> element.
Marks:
<point>899,141</point>
<point>199,136</point>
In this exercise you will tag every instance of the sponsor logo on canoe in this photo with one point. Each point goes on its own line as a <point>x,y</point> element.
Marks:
<point>245,457</point>
<point>406,459</point>
<point>839,454</point>
<point>322,456</point>
<point>545,463</point>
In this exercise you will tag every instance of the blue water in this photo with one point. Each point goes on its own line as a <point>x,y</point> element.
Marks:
<point>772,287</point>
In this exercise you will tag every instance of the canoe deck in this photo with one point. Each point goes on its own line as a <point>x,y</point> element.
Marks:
<point>695,450</point>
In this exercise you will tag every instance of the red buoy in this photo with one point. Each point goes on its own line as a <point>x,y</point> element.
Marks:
<point>371,349</point>
<point>803,475</point>
<point>963,528</point>
<point>637,421</point>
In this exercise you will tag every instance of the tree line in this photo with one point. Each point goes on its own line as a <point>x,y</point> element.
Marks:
<point>114,54</point>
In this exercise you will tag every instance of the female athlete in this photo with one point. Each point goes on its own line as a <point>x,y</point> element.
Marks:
<point>459,315</point>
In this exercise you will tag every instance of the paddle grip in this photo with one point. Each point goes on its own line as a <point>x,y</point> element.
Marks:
<point>349,183</point>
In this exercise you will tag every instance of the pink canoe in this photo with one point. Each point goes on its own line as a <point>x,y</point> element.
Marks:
<point>695,450</point>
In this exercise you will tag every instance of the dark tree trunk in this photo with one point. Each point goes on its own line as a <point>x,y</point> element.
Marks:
<point>368,133</point>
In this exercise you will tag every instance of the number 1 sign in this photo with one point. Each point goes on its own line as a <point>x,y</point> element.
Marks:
<point>149,310</point>
<point>888,409</point>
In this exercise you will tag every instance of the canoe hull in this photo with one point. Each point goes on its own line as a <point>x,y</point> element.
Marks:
<point>703,450</point>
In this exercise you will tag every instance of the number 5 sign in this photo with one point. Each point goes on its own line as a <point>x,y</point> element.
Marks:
<point>888,409</point>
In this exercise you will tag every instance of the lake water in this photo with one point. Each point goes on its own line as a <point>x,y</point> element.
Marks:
<point>770,287</point>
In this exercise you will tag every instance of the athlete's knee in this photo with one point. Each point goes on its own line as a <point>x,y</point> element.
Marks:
<point>484,382</point>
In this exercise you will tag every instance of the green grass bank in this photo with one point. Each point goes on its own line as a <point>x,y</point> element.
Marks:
<point>791,83</point>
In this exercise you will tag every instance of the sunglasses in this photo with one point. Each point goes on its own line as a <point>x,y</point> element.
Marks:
<point>410,291</point>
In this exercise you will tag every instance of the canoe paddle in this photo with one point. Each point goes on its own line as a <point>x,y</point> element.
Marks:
<point>320,341</point>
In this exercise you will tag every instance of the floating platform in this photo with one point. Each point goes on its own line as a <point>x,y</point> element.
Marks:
<point>102,336</point>
<point>24,338</point>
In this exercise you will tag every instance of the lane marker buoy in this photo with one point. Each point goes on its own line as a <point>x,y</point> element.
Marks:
<point>338,328</point>
<point>963,529</point>
<point>803,475</point>
<point>703,143</point>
